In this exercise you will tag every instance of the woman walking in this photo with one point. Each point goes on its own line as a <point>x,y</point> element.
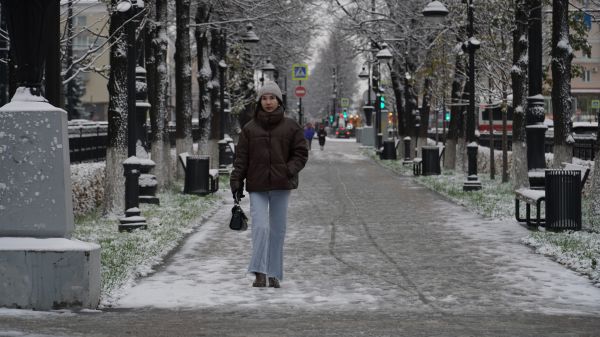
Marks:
<point>270,153</point>
<point>309,133</point>
<point>321,134</point>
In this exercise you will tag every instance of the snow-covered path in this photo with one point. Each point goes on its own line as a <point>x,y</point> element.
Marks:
<point>368,253</point>
<point>360,238</point>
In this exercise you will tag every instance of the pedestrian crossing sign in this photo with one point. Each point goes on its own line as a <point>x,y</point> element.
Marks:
<point>299,72</point>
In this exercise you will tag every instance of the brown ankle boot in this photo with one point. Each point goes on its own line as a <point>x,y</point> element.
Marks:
<point>273,282</point>
<point>260,281</point>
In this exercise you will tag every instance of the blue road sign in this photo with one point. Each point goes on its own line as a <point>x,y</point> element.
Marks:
<point>299,72</point>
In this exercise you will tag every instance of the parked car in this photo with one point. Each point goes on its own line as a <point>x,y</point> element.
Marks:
<point>342,133</point>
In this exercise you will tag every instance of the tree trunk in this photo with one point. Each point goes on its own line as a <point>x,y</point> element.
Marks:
<point>562,54</point>
<point>158,86</point>
<point>398,94</point>
<point>455,112</point>
<point>213,94</point>
<point>425,109</point>
<point>519,85</point>
<point>204,74</point>
<point>183,81</point>
<point>410,103</point>
<point>70,106</point>
<point>116,149</point>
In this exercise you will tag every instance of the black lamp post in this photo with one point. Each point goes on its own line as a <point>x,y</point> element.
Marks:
<point>367,109</point>
<point>435,12</point>
<point>535,129</point>
<point>250,39</point>
<point>133,219</point>
<point>222,142</point>
<point>334,99</point>
<point>384,56</point>
<point>471,45</point>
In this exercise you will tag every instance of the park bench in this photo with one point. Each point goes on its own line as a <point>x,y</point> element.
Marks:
<point>418,162</point>
<point>199,179</point>
<point>561,196</point>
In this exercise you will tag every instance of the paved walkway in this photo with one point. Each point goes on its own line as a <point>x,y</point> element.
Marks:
<point>368,253</point>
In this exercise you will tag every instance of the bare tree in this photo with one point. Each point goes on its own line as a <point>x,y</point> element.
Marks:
<point>183,80</point>
<point>519,88</point>
<point>158,82</point>
<point>116,149</point>
<point>562,102</point>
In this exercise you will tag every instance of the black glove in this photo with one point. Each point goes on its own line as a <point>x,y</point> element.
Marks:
<point>237,190</point>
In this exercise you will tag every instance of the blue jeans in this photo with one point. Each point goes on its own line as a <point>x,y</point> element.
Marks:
<point>269,220</point>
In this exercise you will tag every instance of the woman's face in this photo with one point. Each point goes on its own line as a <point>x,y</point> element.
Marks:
<point>269,102</point>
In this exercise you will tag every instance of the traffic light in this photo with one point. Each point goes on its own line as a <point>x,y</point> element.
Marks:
<point>345,114</point>
<point>382,102</point>
<point>330,119</point>
<point>447,116</point>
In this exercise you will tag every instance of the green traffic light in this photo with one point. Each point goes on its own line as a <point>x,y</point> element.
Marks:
<point>382,102</point>
<point>447,116</point>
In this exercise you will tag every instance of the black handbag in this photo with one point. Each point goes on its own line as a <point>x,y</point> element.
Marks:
<point>239,220</point>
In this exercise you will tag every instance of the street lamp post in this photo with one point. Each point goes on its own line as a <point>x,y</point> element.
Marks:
<point>471,45</point>
<point>133,219</point>
<point>250,39</point>
<point>535,129</point>
<point>222,141</point>
<point>334,98</point>
<point>384,56</point>
<point>367,109</point>
<point>435,12</point>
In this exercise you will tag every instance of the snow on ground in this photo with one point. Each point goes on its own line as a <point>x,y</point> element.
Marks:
<point>197,278</point>
<point>191,280</point>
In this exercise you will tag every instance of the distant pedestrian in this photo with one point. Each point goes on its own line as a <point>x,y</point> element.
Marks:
<point>321,134</point>
<point>270,153</point>
<point>309,134</point>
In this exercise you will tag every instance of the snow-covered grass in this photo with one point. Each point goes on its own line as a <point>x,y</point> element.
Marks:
<point>579,250</point>
<point>126,256</point>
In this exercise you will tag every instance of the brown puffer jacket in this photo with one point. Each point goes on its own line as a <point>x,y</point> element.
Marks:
<point>270,153</point>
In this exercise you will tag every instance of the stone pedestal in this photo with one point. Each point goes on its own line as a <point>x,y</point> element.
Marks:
<point>472,183</point>
<point>367,136</point>
<point>35,183</point>
<point>45,274</point>
<point>40,268</point>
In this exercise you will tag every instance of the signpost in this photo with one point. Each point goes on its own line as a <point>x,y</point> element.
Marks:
<point>300,91</point>
<point>300,73</point>
<point>345,102</point>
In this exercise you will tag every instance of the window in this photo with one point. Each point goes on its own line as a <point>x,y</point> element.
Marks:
<point>80,21</point>
<point>81,42</point>
<point>586,76</point>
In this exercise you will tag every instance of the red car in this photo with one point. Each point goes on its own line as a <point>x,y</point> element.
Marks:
<point>342,133</point>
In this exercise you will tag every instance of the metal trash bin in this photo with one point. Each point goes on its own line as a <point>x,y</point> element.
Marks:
<point>431,161</point>
<point>389,150</point>
<point>563,199</point>
<point>226,155</point>
<point>197,175</point>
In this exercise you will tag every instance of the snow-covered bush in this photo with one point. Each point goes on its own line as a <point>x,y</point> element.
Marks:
<point>87,182</point>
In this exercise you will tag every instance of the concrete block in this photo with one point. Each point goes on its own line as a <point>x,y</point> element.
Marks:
<point>45,274</point>
<point>367,136</point>
<point>35,184</point>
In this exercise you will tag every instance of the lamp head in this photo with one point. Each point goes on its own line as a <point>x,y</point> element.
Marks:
<point>250,36</point>
<point>123,6</point>
<point>364,74</point>
<point>435,12</point>
<point>384,55</point>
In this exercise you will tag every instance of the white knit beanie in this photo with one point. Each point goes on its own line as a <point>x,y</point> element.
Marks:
<point>269,87</point>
